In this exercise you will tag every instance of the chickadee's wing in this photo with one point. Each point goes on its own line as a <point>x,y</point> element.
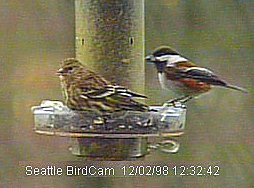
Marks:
<point>202,75</point>
<point>207,76</point>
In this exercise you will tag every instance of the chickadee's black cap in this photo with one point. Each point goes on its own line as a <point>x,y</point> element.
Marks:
<point>164,50</point>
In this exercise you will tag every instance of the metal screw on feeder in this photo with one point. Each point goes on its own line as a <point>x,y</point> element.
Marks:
<point>110,41</point>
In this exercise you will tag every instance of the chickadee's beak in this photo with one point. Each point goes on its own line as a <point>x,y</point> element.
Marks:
<point>60,72</point>
<point>149,59</point>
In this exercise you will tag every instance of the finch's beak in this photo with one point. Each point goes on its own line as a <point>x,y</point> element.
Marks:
<point>60,72</point>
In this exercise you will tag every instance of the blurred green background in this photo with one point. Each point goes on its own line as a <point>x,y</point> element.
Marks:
<point>36,35</point>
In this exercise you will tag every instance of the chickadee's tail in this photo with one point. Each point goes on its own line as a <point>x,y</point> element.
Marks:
<point>236,88</point>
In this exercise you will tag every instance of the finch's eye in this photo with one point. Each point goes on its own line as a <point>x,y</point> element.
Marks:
<point>70,69</point>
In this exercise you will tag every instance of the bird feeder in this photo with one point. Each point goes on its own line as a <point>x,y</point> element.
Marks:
<point>115,136</point>
<point>109,39</point>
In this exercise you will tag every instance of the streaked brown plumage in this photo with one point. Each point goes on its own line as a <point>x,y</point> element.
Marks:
<point>85,90</point>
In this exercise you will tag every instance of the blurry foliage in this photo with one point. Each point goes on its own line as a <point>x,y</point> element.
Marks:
<point>36,35</point>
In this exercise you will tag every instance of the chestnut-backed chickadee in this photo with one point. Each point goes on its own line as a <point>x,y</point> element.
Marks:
<point>182,76</point>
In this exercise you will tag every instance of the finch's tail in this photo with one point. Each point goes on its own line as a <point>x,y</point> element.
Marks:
<point>236,88</point>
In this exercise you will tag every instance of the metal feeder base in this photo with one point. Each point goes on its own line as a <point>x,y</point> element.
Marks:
<point>117,136</point>
<point>109,148</point>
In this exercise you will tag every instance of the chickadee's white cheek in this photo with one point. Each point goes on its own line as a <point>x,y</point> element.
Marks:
<point>175,59</point>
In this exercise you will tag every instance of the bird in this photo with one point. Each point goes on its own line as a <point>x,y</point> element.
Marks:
<point>179,74</point>
<point>85,90</point>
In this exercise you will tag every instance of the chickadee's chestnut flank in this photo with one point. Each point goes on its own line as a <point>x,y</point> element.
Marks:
<point>182,76</point>
<point>85,90</point>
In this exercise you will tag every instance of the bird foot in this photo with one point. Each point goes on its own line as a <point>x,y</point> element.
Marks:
<point>174,104</point>
<point>177,102</point>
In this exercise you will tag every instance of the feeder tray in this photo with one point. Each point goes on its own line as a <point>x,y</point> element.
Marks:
<point>116,135</point>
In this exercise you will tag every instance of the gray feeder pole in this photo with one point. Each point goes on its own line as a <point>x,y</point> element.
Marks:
<point>110,41</point>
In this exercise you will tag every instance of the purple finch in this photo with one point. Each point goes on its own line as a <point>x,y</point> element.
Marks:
<point>85,90</point>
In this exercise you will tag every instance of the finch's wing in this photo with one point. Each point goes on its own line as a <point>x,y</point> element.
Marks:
<point>116,97</point>
<point>202,75</point>
<point>110,90</point>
